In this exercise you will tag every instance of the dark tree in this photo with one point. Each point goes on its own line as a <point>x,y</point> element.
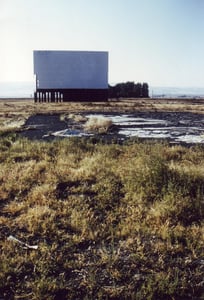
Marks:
<point>129,89</point>
<point>145,90</point>
<point>138,90</point>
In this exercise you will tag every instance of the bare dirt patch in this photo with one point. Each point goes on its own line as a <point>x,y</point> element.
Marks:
<point>179,118</point>
<point>176,127</point>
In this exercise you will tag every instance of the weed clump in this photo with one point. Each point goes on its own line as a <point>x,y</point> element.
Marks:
<point>98,125</point>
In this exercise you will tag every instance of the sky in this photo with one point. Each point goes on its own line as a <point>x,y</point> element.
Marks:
<point>160,42</point>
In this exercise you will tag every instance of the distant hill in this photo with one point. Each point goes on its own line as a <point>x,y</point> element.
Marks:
<point>166,92</point>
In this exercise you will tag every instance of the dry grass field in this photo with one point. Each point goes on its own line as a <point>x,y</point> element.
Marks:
<point>110,221</point>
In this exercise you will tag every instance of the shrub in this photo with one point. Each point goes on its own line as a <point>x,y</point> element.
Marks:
<point>98,125</point>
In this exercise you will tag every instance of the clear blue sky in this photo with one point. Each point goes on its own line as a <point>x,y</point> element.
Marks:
<point>157,41</point>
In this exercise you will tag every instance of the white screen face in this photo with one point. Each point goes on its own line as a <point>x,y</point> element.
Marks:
<point>71,69</point>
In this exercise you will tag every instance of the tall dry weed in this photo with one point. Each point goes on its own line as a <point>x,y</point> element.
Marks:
<point>98,124</point>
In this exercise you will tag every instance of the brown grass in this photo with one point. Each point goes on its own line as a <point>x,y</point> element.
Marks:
<point>110,221</point>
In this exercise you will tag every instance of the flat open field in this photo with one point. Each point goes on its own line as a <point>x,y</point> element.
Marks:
<point>19,109</point>
<point>171,104</point>
<point>85,219</point>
